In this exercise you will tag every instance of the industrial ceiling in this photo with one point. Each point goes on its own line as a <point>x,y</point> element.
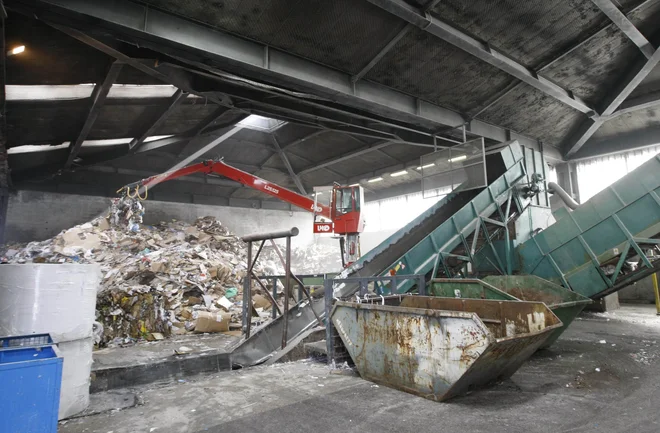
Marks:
<point>107,92</point>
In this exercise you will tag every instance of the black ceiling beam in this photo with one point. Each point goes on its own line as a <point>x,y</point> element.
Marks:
<point>198,45</point>
<point>305,138</point>
<point>626,26</point>
<point>208,121</point>
<point>483,51</point>
<point>287,164</point>
<point>619,143</point>
<point>555,60</point>
<point>379,56</point>
<point>98,98</point>
<point>176,99</point>
<point>388,47</point>
<point>346,156</point>
<point>137,64</point>
<point>635,75</point>
<point>642,102</point>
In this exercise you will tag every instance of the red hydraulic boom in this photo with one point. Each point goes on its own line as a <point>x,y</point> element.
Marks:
<point>343,216</point>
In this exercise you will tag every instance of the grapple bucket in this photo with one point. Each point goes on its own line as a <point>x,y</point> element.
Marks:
<point>438,348</point>
<point>566,304</point>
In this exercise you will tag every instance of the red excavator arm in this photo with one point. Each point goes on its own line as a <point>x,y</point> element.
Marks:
<point>247,179</point>
<point>343,217</point>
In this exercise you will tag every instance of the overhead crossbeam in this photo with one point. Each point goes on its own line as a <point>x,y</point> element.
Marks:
<point>350,155</point>
<point>642,102</point>
<point>99,95</point>
<point>174,101</point>
<point>626,26</point>
<point>287,164</point>
<point>152,29</point>
<point>483,51</point>
<point>622,90</point>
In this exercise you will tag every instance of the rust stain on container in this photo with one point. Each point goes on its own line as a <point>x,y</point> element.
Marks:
<point>440,347</point>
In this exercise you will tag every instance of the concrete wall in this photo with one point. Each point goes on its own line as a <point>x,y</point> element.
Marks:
<point>35,215</point>
<point>641,291</point>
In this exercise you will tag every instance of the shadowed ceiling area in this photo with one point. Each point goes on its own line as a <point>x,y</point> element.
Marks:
<point>344,91</point>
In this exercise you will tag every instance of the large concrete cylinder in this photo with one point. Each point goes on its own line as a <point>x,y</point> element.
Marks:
<point>59,300</point>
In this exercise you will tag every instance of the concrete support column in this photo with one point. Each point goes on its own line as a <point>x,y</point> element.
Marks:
<point>4,167</point>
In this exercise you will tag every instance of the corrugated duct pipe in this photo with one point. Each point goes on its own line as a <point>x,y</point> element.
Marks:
<point>553,188</point>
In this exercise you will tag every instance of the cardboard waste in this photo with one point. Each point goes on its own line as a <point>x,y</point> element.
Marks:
<point>171,278</point>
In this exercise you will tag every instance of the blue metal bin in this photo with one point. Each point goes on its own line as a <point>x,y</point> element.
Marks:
<point>30,379</point>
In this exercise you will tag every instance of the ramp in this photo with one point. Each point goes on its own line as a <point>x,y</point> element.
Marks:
<point>416,248</point>
<point>587,250</point>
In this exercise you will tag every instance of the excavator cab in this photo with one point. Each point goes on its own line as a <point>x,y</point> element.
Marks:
<point>346,211</point>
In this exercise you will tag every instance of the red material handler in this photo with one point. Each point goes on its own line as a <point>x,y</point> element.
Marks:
<point>343,217</point>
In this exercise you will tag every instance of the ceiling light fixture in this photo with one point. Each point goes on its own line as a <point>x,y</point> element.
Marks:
<point>425,166</point>
<point>458,158</point>
<point>399,173</point>
<point>17,50</point>
<point>375,179</point>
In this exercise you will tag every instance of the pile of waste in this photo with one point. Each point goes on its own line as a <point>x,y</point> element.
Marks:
<point>171,278</point>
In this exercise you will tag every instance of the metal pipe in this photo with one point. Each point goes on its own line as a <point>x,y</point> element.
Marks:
<point>287,283</point>
<point>272,235</point>
<point>296,279</point>
<point>553,188</point>
<point>654,277</point>
<point>247,296</point>
<point>265,289</point>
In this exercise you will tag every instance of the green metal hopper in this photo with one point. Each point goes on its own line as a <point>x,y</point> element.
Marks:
<point>466,288</point>
<point>565,303</point>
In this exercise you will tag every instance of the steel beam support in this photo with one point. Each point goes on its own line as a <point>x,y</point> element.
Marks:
<point>630,82</point>
<point>483,51</point>
<point>163,142</point>
<point>377,58</point>
<point>176,99</point>
<point>628,28</point>
<point>287,164</point>
<point>208,121</point>
<point>305,138</point>
<point>547,65</point>
<point>619,143</point>
<point>581,135</point>
<point>633,78</point>
<point>642,102</point>
<point>99,95</point>
<point>152,29</point>
<point>346,156</point>
<point>137,64</point>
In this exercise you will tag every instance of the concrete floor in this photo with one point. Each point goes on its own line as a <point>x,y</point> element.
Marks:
<point>557,390</point>
<point>145,352</point>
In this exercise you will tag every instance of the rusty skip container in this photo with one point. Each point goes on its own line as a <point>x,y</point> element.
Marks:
<point>439,348</point>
